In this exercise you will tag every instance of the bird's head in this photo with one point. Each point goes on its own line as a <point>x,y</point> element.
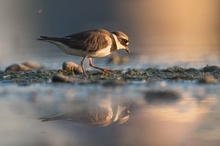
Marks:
<point>121,40</point>
<point>123,116</point>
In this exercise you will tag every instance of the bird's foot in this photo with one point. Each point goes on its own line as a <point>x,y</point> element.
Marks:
<point>85,75</point>
<point>107,71</point>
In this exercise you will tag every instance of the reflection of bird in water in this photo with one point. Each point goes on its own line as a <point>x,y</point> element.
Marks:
<point>94,113</point>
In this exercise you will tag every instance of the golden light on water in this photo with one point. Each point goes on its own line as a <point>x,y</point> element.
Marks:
<point>182,27</point>
<point>173,103</point>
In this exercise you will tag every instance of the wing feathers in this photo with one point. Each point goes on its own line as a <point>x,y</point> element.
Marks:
<point>90,41</point>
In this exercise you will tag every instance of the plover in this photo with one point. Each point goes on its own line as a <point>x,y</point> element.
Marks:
<point>93,112</point>
<point>90,44</point>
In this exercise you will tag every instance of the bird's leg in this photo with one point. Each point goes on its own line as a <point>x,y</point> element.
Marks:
<point>102,69</point>
<point>82,65</point>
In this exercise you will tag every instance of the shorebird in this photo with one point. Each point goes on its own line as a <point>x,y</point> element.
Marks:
<point>99,112</point>
<point>90,44</point>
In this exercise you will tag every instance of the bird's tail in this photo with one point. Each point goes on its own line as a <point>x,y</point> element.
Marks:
<point>52,118</point>
<point>46,38</point>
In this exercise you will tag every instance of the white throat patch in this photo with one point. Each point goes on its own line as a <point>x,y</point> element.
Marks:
<point>118,44</point>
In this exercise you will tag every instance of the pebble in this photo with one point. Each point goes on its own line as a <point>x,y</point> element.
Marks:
<point>207,80</point>
<point>23,66</point>
<point>208,68</point>
<point>71,66</point>
<point>113,83</point>
<point>162,96</point>
<point>33,65</point>
<point>17,67</point>
<point>116,59</point>
<point>62,79</point>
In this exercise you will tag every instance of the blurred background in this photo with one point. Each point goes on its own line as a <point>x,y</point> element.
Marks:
<point>185,30</point>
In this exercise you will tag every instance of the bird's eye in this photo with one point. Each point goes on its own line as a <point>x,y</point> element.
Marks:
<point>126,42</point>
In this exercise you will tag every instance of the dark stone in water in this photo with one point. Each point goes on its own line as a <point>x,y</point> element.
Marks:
<point>162,96</point>
<point>113,83</point>
<point>208,68</point>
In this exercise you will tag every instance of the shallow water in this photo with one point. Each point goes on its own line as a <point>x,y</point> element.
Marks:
<point>189,117</point>
<point>161,113</point>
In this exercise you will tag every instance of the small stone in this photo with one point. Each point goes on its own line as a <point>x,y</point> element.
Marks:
<point>162,96</point>
<point>71,66</point>
<point>23,66</point>
<point>116,59</point>
<point>208,68</point>
<point>113,83</point>
<point>17,67</point>
<point>32,65</point>
<point>62,79</point>
<point>207,80</point>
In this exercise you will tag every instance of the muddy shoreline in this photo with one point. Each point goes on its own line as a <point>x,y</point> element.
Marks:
<point>207,75</point>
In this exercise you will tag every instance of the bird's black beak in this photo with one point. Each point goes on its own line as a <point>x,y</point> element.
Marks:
<point>127,50</point>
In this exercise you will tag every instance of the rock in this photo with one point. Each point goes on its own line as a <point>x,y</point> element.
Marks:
<point>62,79</point>
<point>113,83</point>
<point>32,65</point>
<point>207,80</point>
<point>71,66</point>
<point>162,96</point>
<point>208,68</point>
<point>23,66</point>
<point>116,59</point>
<point>17,67</point>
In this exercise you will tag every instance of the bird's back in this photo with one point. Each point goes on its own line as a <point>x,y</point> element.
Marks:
<point>89,41</point>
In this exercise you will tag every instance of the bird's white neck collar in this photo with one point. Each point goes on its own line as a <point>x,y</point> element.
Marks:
<point>118,44</point>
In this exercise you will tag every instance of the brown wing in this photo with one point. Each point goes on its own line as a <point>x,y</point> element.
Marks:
<point>90,41</point>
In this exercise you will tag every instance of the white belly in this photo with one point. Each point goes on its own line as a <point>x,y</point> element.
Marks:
<point>76,52</point>
<point>67,50</point>
<point>101,53</point>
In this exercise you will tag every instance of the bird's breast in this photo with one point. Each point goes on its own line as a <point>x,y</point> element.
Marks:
<point>101,52</point>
